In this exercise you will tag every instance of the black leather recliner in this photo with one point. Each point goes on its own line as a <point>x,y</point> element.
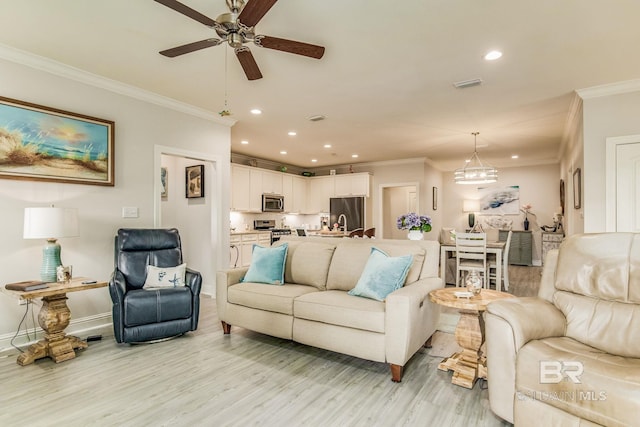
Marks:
<point>150,314</point>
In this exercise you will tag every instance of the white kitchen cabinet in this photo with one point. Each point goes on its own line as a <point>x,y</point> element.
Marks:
<point>242,247</point>
<point>240,183</point>
<point>353,184</point>
<point>246,189</point>
<point>271,182</point>
<point>321,189</point>
<point>299,194</point>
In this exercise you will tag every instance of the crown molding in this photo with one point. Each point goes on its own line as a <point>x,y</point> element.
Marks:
<point>63,70</point>
<point>609,89</point>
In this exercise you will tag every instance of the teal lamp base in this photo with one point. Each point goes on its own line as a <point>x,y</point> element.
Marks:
<point>50,261</point>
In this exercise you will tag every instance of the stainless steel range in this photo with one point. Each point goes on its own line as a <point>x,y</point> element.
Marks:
<point>270,224</point>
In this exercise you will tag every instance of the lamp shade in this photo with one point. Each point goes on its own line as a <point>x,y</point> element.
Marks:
<point>50,223</point>
<point>470,205</point>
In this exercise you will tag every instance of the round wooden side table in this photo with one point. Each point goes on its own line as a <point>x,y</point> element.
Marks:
<point>469,364</point>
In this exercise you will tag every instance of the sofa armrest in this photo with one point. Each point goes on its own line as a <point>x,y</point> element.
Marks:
<point>224,279</point>
<point>510,324</point>
<point>410,319</point>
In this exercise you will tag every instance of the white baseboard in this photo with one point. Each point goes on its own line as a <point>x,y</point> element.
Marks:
<point>99,324</point>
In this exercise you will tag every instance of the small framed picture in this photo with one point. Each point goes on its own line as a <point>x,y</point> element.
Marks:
<point>434,195</point>
<point>577,189</point>
<point>194,178</point>
<point>163,182</point>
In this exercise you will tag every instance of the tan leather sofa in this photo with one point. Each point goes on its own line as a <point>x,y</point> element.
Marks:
<point>313,306</point>
<point>571,356</point>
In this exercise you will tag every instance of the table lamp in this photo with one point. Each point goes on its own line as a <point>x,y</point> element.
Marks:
<point>50,224</point>
<point>471,206</point>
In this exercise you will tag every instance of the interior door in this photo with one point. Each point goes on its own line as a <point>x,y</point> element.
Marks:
<point>627,187</point>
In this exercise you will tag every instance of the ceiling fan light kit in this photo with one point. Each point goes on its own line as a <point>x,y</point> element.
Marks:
<point>237,28</point>
<point>474,171</point>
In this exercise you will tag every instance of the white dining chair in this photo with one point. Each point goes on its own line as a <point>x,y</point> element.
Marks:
<point>471,255</point>
<point>494,264</point>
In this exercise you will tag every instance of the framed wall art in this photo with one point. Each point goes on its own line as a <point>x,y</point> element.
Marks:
<point>164,174</point>
<point>46,144</point>
<point>577,189</point>
<point>194,178</point>
<point>434,196</point>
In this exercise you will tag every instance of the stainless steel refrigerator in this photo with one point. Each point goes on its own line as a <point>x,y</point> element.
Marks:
<point>353,209</point>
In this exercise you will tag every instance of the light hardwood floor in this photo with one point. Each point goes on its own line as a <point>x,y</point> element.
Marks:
<point>207,379</point>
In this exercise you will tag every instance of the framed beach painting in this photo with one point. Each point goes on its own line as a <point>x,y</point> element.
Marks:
<point>46,144</point>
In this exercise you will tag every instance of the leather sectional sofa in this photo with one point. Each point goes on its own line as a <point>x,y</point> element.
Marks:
<point>313,306</point>
<point>571,356</point>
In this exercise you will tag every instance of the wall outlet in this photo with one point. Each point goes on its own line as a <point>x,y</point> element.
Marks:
<point>129,212</point>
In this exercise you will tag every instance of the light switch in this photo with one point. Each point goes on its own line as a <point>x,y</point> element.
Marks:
<point>129,212</point>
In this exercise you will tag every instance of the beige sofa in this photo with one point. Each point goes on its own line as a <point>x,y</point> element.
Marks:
<point>571,356</point>
<point>313,306</point>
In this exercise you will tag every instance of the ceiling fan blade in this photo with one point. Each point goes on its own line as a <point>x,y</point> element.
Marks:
<point>248,63</point>
<point>187,11</point>
<point>298,48</point>
<point>254,11</point>
<point>190,47</point>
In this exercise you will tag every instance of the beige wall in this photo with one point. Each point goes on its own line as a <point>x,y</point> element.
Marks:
<point>139,126</point>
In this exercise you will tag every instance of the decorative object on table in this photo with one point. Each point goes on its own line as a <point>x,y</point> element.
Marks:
<point>474,171</point>
<point>473,282</point>
<point>526,209</point>
<point>64,273</point>
<point>577,189</point>
<point>434,198</point>
<point>416,224</point>
<point>500,200</point>
<point>163,182</point>
<point>50,224</point>
<point>471,206</point>
<point>45,144</point>
<point>194,178</point>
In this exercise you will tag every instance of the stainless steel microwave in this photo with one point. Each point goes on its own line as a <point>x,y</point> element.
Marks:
<point>272,203</point>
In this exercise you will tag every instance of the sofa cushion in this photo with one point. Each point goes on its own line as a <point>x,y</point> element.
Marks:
<point>342,309</point>
<point>608,385</point>
<point>145,306</point>
<point>308,263</point>
<point>278,299</point>
<point>382,275</point>
<point>350,258</point>
<point>267,265</point>
<point>607,325</point>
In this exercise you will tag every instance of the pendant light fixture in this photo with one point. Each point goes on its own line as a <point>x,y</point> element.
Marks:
<point>474,171</point>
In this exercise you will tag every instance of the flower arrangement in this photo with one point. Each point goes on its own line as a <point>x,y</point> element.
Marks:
<point>413,221</point>
<point>526,209</point>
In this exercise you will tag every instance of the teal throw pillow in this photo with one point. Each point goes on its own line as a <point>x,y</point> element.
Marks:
<point>267,265</point>
<point>382,275</point>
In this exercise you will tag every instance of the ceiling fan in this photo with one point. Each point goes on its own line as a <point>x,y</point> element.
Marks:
<point>237,28</point>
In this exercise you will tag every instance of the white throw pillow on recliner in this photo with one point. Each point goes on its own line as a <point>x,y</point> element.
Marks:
<point>165,277</point>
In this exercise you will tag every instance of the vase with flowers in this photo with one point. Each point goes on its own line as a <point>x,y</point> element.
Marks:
<point>526,209</point>
<point>416,224</point>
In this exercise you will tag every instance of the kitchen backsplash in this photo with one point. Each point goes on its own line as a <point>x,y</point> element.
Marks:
<point>241,221</point>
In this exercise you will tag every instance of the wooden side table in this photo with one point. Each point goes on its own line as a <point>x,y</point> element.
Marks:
<point>470,364</point>
<point>53,318</point>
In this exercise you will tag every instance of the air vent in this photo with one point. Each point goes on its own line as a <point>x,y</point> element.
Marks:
<point>467,83</point>
<point>316,118</point>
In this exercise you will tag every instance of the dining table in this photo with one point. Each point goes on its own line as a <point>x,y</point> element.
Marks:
<point>495,247</point>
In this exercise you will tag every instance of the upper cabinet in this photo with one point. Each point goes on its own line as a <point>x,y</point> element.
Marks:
<point>301,194</point>
<point>353,184</point>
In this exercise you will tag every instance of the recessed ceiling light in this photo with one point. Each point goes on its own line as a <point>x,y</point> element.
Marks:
<point>355,156</point>
<point>327,145</point>
<point>244,142</point>
<point>493,55</point>
<point>256,111</point>
<point>292,133</point>
<point>314,160</point>
<point>515,156</point>
<point>283,152</point>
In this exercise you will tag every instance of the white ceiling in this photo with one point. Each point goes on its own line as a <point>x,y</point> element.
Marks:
<point>384,83</point>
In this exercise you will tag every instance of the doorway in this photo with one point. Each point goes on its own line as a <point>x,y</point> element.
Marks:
<point>396,199</point>
<point>623,184</point>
